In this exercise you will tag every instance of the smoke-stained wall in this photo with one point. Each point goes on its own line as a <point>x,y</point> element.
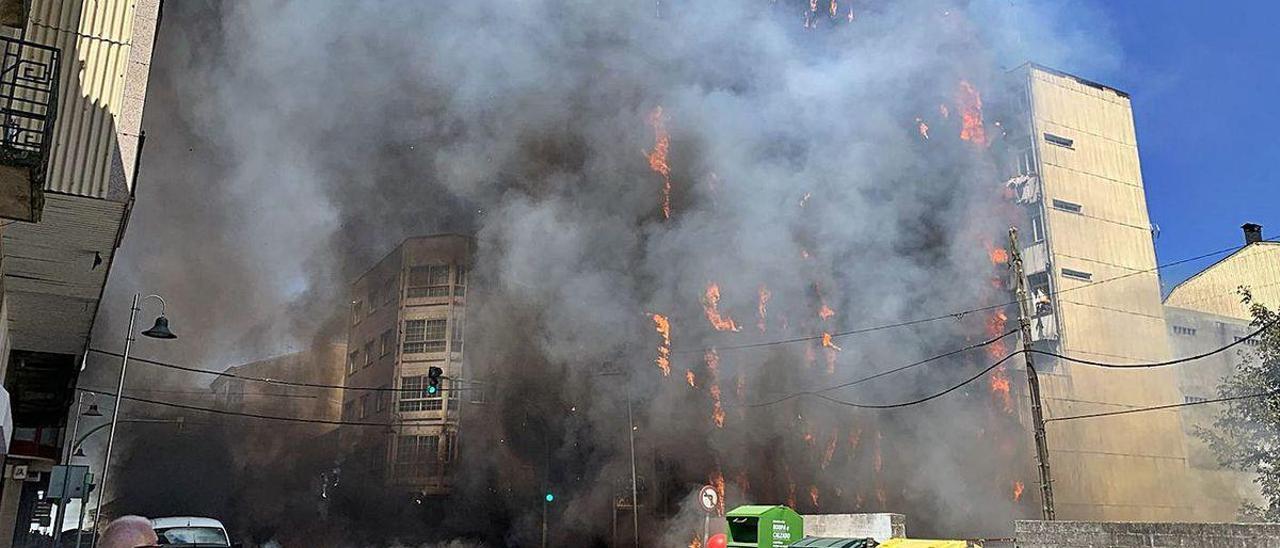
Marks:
<point>617,162</point>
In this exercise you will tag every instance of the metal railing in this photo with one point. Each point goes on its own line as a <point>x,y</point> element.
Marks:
<point>28,101</point>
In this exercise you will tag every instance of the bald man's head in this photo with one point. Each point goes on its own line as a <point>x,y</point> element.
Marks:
<point>128,532</point>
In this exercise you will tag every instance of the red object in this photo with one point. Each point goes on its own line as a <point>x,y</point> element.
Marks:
<point>719,540</point>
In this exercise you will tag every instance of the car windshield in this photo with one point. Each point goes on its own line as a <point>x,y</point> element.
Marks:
<point>192,535</point>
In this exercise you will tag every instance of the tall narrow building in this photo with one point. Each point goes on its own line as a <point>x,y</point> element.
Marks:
<point>1091,266</point>
<point>407,316</point>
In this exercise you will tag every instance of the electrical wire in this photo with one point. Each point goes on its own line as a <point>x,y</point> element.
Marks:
<point>1239,341</point>
<point>899,369</point>
<point>280,382</point>
<point>961,313</point>
<point>239,414</point>
<point>1163,407</point>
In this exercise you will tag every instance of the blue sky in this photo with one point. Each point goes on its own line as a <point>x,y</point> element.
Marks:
<point>1204,79</point>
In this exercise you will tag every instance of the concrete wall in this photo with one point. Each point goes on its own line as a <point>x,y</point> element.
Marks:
<point>877,526</point>
<point>1083,534</point>
<point>1121,468</point>
<point>1213,290</point>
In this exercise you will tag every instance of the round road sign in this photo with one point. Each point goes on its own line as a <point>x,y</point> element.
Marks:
<point>709,498</point>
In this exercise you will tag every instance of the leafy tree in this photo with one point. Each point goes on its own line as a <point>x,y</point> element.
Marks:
<point>1246,433</point>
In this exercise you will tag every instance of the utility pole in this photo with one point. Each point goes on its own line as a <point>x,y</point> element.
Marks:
<point>1033,380</point>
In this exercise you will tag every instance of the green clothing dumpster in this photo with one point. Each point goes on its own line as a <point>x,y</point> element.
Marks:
<point>764,527</point>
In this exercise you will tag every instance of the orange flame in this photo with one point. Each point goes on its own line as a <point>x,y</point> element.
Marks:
<point>658,157</point>
<point>1000,387</point>
<point>717,481</point>
<point>826,342</point>
<point>713,364</point>
<point>998,255</point>
<point>1018,487</point>
<point>791,495</point>
<point>689,378</point>
<point>663,326</point>
<point>711,305</point>
<point>834,8</point>
<point>813,495</point>
<point>830,453</point>
<point>696,542</point>
<point>826,312</point>
<point>762,307</point>
<point>970,104</point>
<point>879,459</point>
<point>923,127</point>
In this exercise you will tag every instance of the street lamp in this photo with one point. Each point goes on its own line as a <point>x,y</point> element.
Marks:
<point>160,330</point>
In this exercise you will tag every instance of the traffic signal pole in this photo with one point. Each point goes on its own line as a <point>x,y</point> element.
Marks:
<point>1033,380</point>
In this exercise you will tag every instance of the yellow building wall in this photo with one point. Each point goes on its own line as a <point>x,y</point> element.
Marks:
<point>1213,291</point>
<point>1126,467</point>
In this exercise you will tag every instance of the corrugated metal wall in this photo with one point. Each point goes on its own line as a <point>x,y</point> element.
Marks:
<point>100,92</point>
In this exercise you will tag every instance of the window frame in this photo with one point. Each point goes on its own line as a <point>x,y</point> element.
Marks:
<point>1058,140</point>
<point>1077,274</point>
<point>414,398</point>
<point>1068,207</point>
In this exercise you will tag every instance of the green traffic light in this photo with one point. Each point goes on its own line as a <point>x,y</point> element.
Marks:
<point>432,390</point>
<point>550,497</point>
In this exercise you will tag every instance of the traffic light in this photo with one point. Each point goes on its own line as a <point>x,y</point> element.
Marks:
<point>433,380</point>
<point>550,497</point>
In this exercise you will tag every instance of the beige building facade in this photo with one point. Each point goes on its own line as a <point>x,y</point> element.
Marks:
<point>408,315</point>
<point>1091,264</point>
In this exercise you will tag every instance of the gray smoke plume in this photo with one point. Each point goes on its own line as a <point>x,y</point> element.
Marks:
<point>293,143</point>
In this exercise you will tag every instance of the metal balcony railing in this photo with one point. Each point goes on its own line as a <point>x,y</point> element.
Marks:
<point>28,103</point>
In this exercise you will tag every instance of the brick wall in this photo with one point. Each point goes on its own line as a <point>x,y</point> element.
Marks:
<point>1092,534</point>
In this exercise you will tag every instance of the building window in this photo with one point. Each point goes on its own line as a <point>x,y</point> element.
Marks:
<point>357,311</point>
<point>477,392</point>
<point>414,397</point>
<point>348,407</point>
<point>450,446</point>
<point>353,361</point>
<point>1250,342</point>
<point>456,331</point>
<point>1194,399</point>
<point>460,285</point>
<point>364,406</point>
<point>424,336</point>
<point>414,453</point>
<point>1037,228</point>
<point>1058,140</point>
<point>429,281</point>
<point>1077,274</point>
<point>1069,207</point>
<point>392,291</point>
<point>369,353</point>
<point>388,341</point>
<point>1025,161</point>
<point>375,298</point>
<point>381,403</point>
<point>1188,331</point>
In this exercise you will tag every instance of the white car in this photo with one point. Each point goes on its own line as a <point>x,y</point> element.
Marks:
<point>191,531</point>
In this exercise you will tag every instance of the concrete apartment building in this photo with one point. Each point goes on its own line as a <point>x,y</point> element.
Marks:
<point>1078,176</point>
<point>322,365</point>
<point>1204,313</point>
<point>72,88</point>
<point>407,315</point>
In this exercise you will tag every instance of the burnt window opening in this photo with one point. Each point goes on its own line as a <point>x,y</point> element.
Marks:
<point>1059,140</point>
<point>1077,274</point>
<point>1069,207</point>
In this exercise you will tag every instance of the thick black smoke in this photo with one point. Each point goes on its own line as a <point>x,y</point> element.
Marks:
<point>293,143</point>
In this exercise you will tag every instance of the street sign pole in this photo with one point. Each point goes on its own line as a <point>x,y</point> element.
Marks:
<point>709,499</point>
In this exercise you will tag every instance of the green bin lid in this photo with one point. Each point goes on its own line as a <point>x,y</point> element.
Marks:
<point>751,510</point>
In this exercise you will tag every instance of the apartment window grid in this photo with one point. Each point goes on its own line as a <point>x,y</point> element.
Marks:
<point>416,455</point>
<point>388,342</point>
<point>414,397</point>
<point>1187,331</point>
<point>424,336</point>
<point>429,281</point>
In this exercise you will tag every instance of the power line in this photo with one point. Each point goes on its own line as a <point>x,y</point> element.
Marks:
<point>240,414</point>
<point>280,382</point>
<point>899,369</point>
<point>1163,407</point>
<point>1239,341</point>
<point>961,313</point>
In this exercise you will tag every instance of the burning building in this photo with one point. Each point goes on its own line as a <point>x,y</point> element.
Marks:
<point>407,316</point>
